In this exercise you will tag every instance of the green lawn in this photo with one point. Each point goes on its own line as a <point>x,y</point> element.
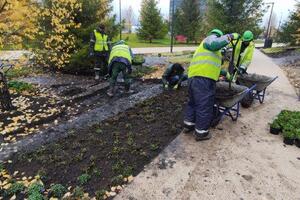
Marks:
<point>134,42</point>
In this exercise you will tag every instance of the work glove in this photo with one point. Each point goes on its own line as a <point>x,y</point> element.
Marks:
<point>91,54</point>
<point>176,87</point>
<point>242,70</point>
<point>234,36</point>
<point>228,76</point>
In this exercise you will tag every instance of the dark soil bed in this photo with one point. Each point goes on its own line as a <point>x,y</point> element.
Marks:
<point>37,111</point>
<point>118,147</point>
<point>285,53</point>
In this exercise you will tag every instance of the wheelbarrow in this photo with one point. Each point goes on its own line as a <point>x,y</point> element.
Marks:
<point>228,100</point>
<point>261,83</point>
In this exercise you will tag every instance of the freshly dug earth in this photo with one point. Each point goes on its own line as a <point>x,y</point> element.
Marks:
<point>118,147</point>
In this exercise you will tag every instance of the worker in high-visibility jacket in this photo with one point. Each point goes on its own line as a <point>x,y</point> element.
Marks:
<point>99,49</point>
<point>120,60</point>
<point>244,52</point>
<point>204,71</point>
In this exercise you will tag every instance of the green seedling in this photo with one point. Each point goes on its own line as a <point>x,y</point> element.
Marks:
<point>154,147</point>
<point>36,196</point>
<point>97,172</point>
<point>117,180</point>
<point>83,179</point>
<point>117,168</point>
<point>288,134</point>
<point>35,188</point>
<point>78,192</point>
<point>275,125</point>
<point>16,188</point>
<point>99,131</point>
<point>100,194</point>
<point>58,190</point>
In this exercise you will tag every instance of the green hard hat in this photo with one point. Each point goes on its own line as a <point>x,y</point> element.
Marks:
<point>247,36</point>
<point>216,31</point>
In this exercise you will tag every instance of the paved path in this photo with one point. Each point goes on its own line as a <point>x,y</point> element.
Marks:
<point>241,161</point>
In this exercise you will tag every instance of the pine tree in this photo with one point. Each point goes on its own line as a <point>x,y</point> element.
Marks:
<point>152,24</point>
<point>235,15</point>
<point>290,31</point>
<point>188,19</point>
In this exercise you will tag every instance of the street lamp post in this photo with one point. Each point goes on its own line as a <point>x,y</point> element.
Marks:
<point>172,25</point>
<point>268,40</point>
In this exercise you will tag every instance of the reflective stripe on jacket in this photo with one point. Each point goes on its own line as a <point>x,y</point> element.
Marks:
<point>205,63</point>
<point>246,56</point>
<point>101,42</point>
<point>122,51</point>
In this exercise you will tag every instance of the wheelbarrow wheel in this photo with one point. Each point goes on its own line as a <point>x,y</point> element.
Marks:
<point>247,101</point>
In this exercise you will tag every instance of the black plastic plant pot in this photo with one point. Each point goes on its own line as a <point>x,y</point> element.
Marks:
<point>288,141</point>
<point>275,131</point>
<point>297,142</point>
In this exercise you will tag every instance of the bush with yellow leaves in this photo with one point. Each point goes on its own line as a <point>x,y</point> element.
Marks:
<point>56,40</point>
<point>17,22</point>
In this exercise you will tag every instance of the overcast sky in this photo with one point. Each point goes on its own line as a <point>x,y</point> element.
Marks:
<point>281,7</point>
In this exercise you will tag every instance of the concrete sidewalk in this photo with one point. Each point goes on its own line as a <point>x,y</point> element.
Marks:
<point>241,161</point>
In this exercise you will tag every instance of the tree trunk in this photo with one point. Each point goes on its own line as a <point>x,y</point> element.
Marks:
<point>5,98</point>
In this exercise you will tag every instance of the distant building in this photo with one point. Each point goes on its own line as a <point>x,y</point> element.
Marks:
<point>177,4</point>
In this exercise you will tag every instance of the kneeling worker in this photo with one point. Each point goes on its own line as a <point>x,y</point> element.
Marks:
<point>120,60</point>
<point>204,72</point>
<point>174,76</point>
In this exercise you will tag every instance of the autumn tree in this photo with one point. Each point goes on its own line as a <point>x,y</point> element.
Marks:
<point>235,15</point>
<point>17,22</point>
<point>56,41</point>
<point>152,24</point>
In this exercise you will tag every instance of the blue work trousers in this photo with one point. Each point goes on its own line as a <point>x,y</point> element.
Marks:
<point>199,111</point>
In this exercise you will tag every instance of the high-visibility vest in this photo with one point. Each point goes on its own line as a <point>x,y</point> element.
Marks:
<point>101,42</point>
<point>246,56</point>
<point>205,63</point>
<point>122,51</point>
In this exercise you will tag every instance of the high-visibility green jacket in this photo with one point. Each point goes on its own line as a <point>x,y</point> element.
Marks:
<point>101,43</point>
<point>246,56</point>
<point>205,63</point>
<point>121,51</point>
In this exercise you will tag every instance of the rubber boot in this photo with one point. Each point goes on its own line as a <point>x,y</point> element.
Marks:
<point>204,135</point>
<point>128,90</point>
<point>188,128</point>
<point>111,91</point>
<point>97,74</point>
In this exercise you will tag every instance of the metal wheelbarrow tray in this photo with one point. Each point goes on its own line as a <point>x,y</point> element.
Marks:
<point>261,82</point>
<point>228,100</point>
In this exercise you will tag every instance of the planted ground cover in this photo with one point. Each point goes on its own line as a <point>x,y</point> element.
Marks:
<point>287,123</point>
<point>94,159</point>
